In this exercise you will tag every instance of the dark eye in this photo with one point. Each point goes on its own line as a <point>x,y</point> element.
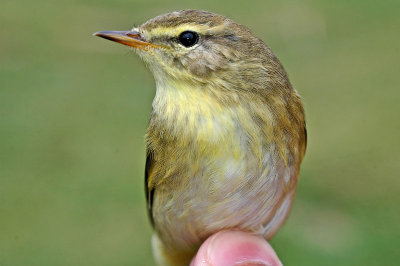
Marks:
<point>188,38</point>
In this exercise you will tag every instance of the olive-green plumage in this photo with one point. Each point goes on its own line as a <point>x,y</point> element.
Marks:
<point>226,135</point>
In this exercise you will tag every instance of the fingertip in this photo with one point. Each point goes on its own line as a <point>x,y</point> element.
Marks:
<point>235,248</point>
<point>201,258</point>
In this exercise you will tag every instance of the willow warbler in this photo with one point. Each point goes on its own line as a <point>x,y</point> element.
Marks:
<point>226,135</point>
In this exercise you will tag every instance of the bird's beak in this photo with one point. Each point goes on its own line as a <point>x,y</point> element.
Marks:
<point>129,38</point>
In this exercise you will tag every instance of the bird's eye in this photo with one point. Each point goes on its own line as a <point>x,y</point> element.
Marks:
<point>188,38</point>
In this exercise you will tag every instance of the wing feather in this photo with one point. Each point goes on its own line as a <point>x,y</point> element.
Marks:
<point>149,191</point>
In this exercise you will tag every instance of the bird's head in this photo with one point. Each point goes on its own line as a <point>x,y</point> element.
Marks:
<point>204,48</point>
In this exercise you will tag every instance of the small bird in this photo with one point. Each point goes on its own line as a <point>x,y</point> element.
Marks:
<point>226,135</point>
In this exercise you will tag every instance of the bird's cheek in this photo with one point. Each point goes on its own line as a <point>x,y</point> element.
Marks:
<point>197,65</point>
<point>200,70</point>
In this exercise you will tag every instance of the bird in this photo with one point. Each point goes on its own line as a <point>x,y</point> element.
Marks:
<point>226,135</point>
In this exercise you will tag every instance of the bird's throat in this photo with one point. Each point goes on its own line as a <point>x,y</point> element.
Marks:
<point>185,110</point>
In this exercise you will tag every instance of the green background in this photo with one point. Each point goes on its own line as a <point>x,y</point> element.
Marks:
<point>74,109</point>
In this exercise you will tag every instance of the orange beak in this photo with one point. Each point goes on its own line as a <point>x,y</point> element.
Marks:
<point>129,38</point>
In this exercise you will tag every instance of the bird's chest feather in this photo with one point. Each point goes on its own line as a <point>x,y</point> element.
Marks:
<point>192,129</point>
<point>211,168</point>
<point>189,131</point>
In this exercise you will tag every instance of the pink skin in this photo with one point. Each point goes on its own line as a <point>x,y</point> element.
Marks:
<point>227,248</point>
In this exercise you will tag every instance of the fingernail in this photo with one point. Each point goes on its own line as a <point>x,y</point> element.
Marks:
<point>235,248</point>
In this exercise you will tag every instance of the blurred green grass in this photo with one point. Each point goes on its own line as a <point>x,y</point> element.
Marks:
<point>74,108</point>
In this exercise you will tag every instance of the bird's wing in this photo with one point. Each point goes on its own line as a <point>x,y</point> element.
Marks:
<point>149,191</point>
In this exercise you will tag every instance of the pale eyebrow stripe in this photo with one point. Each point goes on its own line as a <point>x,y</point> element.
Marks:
<point>175,31</point>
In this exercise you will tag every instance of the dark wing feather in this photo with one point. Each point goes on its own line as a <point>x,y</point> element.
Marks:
<point>303,141</point>
<point>149,192</point>
<point>305,137</point>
